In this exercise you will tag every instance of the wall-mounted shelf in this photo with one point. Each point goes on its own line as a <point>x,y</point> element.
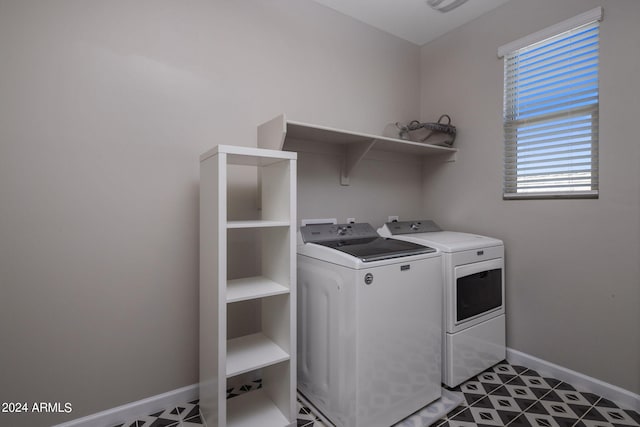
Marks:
<point>277,133</point>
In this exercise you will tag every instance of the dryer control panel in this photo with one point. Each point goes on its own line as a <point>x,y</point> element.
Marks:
<point>315,233</point>
<point>409,227</point>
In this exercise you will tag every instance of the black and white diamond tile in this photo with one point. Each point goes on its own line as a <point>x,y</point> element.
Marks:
<point>504,403</point>
<point>614,416</point>
<point>183,415</point>
<point>521,392</point>
<point>486,416</point>
<point>546,420</point>
<point>527,399</point>
<point>506,371</point>
<point>154,421</point>
<point>573,397</point>
<point>489,378</point>
<point>518,384</point>
<point>532,379</point>
<point>462,418</point>
<point>245,388</point>
<point>592,423</point>
<point>559,409</point>
<point>305,417</point>
<point>474,390</point>
<point>457,423</point>
<point>167,416</point>
<point>191,414</point>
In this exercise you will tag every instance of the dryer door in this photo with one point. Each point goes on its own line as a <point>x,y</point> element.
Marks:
<point>478,293</point>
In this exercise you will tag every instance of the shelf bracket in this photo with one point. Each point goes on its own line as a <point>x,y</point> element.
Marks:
<point>271,134</point>
<point>452,157</point>
<point>354,153</point>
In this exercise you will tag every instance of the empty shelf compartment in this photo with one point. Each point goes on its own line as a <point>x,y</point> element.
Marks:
<point>254,409</point>
<point>252,352</point>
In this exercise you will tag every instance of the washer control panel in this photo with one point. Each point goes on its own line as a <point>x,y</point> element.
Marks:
<point>314,233</point>
<point>409,227</point>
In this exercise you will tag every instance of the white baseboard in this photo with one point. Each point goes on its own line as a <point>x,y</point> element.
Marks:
<point>130,411</point>
<point>623,398</point>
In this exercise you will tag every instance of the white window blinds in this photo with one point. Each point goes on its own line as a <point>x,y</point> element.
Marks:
<point>551,116</point>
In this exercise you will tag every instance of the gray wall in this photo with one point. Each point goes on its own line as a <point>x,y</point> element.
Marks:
<point>573,287</point>
<point>104,110</point>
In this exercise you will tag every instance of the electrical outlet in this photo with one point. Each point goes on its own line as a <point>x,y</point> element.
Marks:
<point>393,218</point>
<point>351,220</point>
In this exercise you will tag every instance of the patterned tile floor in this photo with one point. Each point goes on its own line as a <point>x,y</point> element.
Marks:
<point>186,415</point>
<point>505,395</point>
<point>510,395</point>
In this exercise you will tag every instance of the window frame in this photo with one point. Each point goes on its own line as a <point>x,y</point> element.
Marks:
<point>511,189</point>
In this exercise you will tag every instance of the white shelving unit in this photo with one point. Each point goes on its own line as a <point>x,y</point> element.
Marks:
<point>272,349</point>
<point>256,224</point>
<point>277,133</point>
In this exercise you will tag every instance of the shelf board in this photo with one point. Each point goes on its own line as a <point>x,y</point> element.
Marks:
<point>254,409</point>
<point>276,134</point>
<point>252,352</point>
<point>322,134</point>
<point>276,131</point>
<point>253,288</point>
<point>257,224</point>
<point>249,156</point>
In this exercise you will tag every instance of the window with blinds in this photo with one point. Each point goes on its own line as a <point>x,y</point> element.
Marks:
<point>551,116</point>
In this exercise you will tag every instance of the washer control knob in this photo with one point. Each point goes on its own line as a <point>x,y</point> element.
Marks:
<point>415,226</point>
<point>342,230</point>
<point>368,278</point>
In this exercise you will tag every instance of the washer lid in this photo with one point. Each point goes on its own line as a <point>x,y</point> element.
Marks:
<point>361,241</point>
<point>377,248</point>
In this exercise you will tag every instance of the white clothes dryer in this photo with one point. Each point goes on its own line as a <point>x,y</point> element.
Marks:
<point>369,324</point>
<point>474,336</point>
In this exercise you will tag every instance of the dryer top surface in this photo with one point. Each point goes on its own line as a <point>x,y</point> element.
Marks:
<point>446,241</point>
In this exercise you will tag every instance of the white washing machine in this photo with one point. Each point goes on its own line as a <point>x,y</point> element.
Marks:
<point>369,324</point>
<point>474,336</point>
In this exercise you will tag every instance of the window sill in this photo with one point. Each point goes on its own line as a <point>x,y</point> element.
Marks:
<point>558,195</point>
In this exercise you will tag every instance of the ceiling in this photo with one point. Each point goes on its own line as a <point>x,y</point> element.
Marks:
<point>412,20</point>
